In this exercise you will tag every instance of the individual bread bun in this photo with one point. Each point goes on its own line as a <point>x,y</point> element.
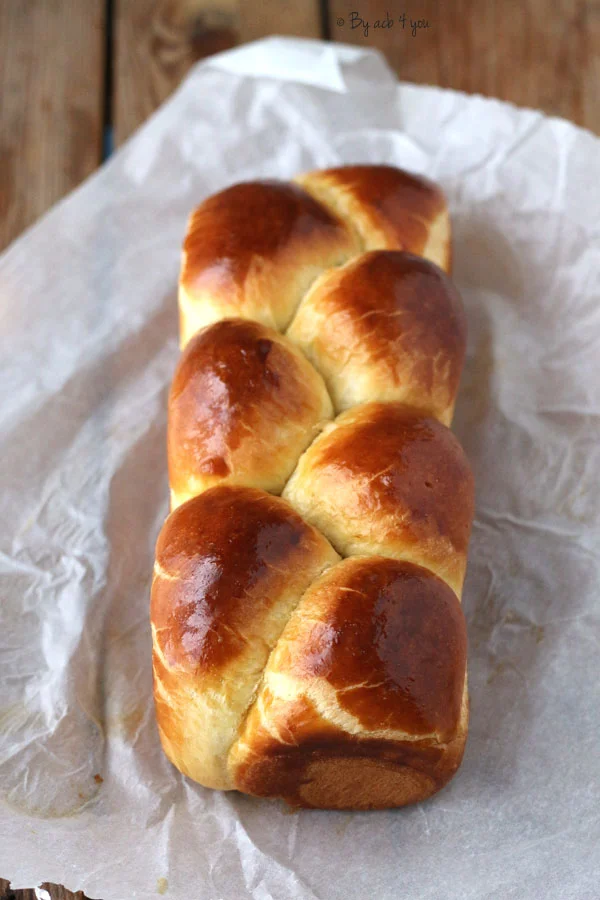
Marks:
<point>244,404</point>
<point>387,326</point>
<point>231,565</point>
<point>363,702</point>
<point>382,479</point>
<point>252,251</point>
<point>389,209</point>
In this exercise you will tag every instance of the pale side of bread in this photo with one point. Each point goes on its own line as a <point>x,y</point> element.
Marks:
<point>308,639</point>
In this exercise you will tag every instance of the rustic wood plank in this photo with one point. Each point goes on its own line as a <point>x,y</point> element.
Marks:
<point>536,53</point>
<point>591,40</point>
<point>56,892</point>
<point>156,43</point>
<point>258,18</point>
<point>51,83</point>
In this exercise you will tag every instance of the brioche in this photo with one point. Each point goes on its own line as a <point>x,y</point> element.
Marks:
<point>308,638</point>
<point>387,208</point>
<point>385,326</point>
<point>252,251</point>
<point>244,404</point>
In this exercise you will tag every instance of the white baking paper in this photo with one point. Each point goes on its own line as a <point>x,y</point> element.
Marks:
<point>88,329</point>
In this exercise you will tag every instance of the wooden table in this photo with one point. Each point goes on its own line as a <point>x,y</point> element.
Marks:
<point>79,76</point>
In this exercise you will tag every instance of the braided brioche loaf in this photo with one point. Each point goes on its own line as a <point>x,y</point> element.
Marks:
<point>308,640</point>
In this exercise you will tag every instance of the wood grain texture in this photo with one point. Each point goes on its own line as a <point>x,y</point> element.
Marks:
<point>533,53</point>
<point>536,53</point>
<point>56,891</point>
<point>156,43</point>
<point>51,64</point>
<point>259,18</point>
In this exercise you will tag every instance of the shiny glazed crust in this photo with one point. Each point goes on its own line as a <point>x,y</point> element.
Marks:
<point>231,565</point>
<point>368,680</point>
<point>384,479</point>
<point>311,646</point>
<point>385,326</point>
<point>244,404</point>
<point>252,251</point>
<point>387,208</point>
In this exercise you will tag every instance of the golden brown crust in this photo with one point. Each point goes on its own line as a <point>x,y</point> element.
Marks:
<point>280,670</point>
<point>385,479</point>
<point>386,326</point>
<point>222,557</point>
<point>391,209</point>
<point>252,250</point>
<point>363,700</point>
<point>330,769</point>
<point>390,638</point>
<point>244,404</point>
<point>231,564</point>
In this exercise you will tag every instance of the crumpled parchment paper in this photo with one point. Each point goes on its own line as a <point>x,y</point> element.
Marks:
<point>88,344</point>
